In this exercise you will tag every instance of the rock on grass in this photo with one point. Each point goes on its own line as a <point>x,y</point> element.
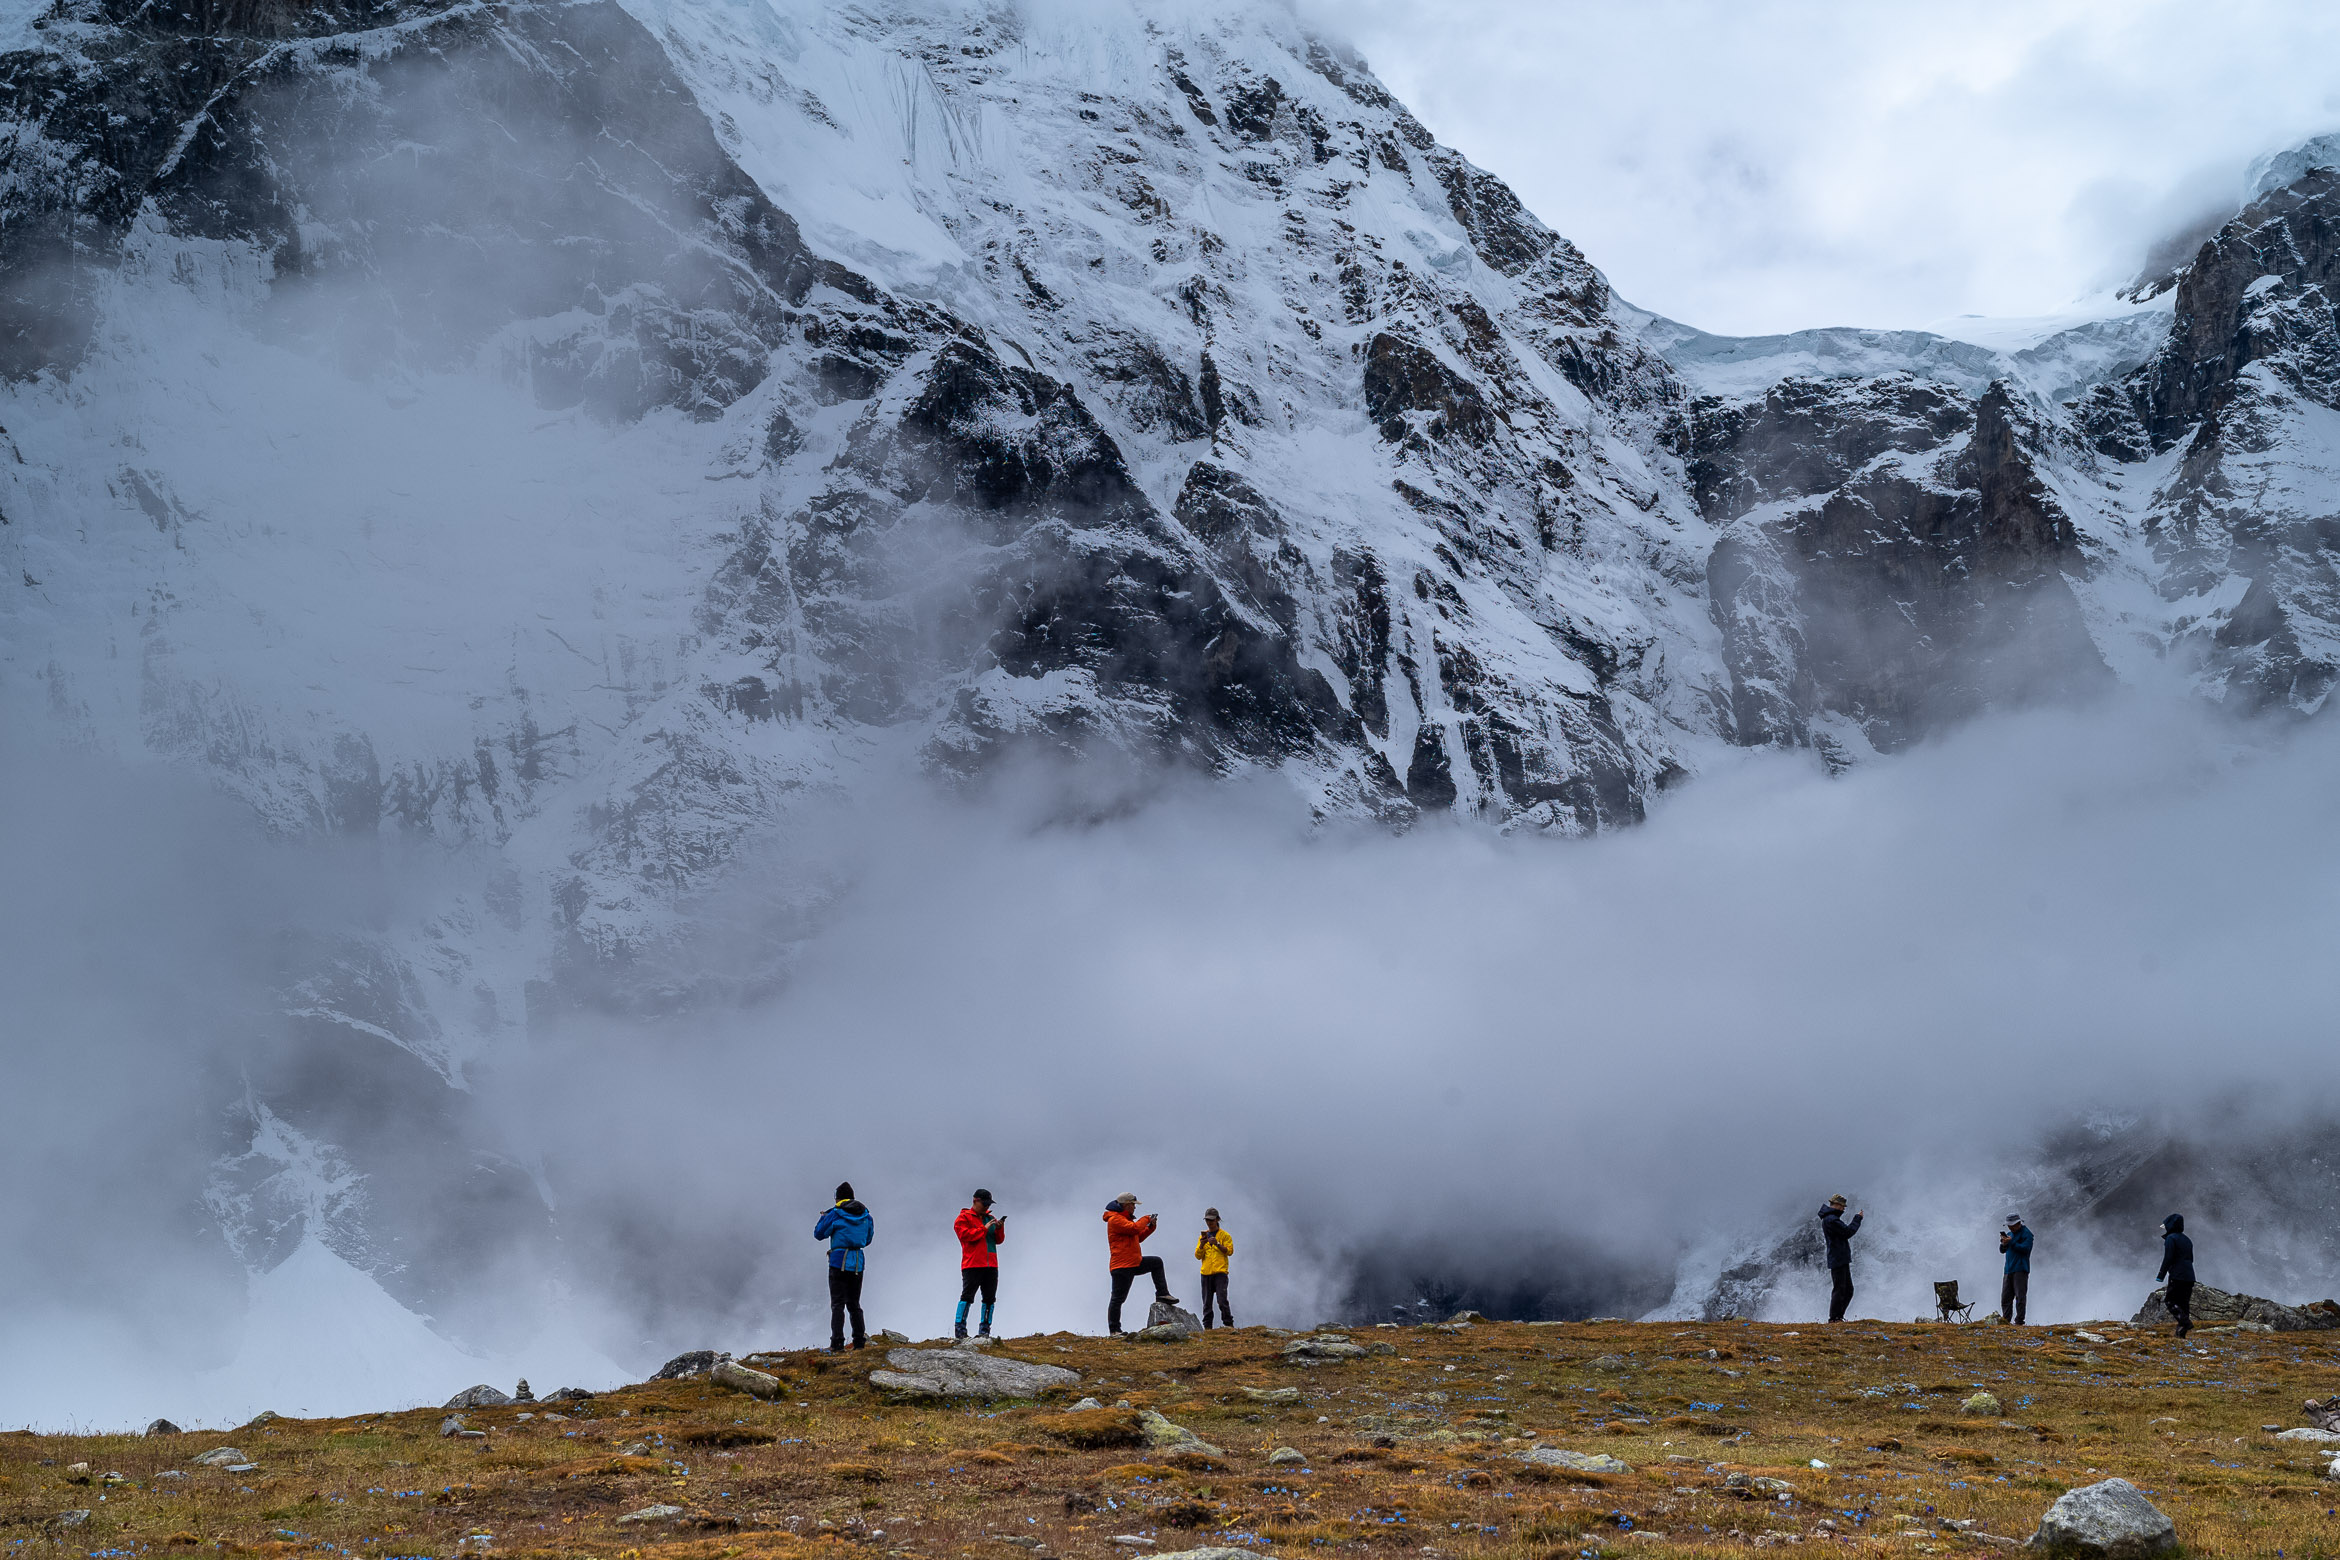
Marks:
<point>967,1373</point>
<point>2108,1521</point>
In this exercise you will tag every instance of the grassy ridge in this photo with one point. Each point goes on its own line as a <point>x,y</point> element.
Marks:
<point>1411,1452</point>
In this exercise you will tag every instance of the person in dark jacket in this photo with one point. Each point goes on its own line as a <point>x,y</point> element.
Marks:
<point>1835,1230</point>
<point>2015,1273</point>
<point>847,1227</point>
<point>980,1232</point>
<point>2177,1266</point>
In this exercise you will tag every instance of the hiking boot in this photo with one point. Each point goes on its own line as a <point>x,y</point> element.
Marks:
<point>861,1343</point>
<point>982,1332</point>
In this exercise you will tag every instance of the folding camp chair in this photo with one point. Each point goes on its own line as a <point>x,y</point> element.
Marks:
<point>1947,1304</point>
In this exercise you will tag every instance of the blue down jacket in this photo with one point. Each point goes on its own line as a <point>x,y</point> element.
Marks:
<point>847,1228</point>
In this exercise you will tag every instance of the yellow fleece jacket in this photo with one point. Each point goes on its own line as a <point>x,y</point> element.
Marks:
<point>1213,1250</point>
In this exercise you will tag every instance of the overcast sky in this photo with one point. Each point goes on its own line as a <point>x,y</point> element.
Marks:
<point>1759,167</point>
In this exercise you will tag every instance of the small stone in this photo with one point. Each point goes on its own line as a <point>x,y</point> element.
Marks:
<point>1465,1318</point>
<point>77,1473</point>
<point>217,1457</point>
<point>2086,1336</point>
<point>1274,1397</point>
<point>888,1335</point>
<point>2305,1434</point>
<point>684,1366</point>
<point>451,1425</point>
<point>1131,1541</point>
<point>481,1396</point>
<point>1168,1332</point>
<point>656,1514</point>
<point>521,1419</point>
<point>1215,1552</point>
<point>1084,1405</point>
<point>1284,1456</point>
<point>265,1416</point>
<point>474,1543</point>
<point>2108,1521</point>
<point>1981,1403</point>
<point>163,1427</point>
<point>1608,1362</point>
<point>67,1519</point>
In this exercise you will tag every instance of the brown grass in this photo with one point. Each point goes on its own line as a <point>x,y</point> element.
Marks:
<point>772,1481</point>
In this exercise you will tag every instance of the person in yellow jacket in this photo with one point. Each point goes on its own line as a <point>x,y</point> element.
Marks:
<point>1212,1248</point>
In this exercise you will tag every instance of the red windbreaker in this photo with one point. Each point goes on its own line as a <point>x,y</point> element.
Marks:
<point>1122,1234</point>
<point>976,1247</point>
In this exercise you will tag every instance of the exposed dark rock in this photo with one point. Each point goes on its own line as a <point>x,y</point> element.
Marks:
<point>1404,379</point>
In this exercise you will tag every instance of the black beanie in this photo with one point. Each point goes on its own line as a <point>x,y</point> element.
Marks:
<point>844,1191</point>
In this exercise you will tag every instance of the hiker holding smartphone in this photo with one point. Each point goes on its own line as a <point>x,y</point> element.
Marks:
<point>980,1231</point>
<point>1212,1248</point>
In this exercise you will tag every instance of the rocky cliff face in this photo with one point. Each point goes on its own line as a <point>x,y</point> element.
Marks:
<point>581,433</point>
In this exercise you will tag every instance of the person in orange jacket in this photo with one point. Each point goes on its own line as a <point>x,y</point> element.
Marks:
<point>980,1232</point>
<point>1123,1232</point>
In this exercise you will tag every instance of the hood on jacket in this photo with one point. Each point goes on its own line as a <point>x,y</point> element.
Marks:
<point>852,1207</point>
<point>2175,1224</point>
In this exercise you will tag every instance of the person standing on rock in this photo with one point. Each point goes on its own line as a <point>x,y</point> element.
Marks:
<point>2177,1266</point>
<point>1838,1233</point>
<point>1124,1230</point>
<point>2015,1277</point>
<point>1212,1248</point>
<point>847,1227</point>
<point>979,1232</point>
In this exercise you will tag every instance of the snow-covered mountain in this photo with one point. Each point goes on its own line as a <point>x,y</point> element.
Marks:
<point>578,435</point>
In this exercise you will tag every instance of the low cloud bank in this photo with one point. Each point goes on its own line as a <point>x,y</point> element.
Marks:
<point>1473,1066</point>
<point>1573,1078</point>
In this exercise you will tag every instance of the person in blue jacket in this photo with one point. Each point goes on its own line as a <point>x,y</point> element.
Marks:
<point>2015,1274</point>
<point>2177,1266</point>
<point>847,1227</point>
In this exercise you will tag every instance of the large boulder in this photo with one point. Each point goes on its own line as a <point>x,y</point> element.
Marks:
<point>739,1378</point>
<point>1164,1314</point>
<point>2108,1521</point>
<point>481,1396</point>
<point>967,1373</point>
<point>2219,1308</point>
<point>1175,1439</point>
<point>698,1362</point>
<point>1573,1462</point>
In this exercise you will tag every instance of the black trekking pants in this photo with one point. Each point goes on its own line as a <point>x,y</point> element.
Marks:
<point>979,1281</point>
<point>844,1299</point>
<point>2180,1300</point>
<point>2014,1297</point>
<point>1215,1284</point>
<point>1123,1278</point>
<point>1840,1295</point>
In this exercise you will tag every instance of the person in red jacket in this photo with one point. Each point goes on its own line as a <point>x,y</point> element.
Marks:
<point>979,1235</point>
<point>1123,1231</point>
